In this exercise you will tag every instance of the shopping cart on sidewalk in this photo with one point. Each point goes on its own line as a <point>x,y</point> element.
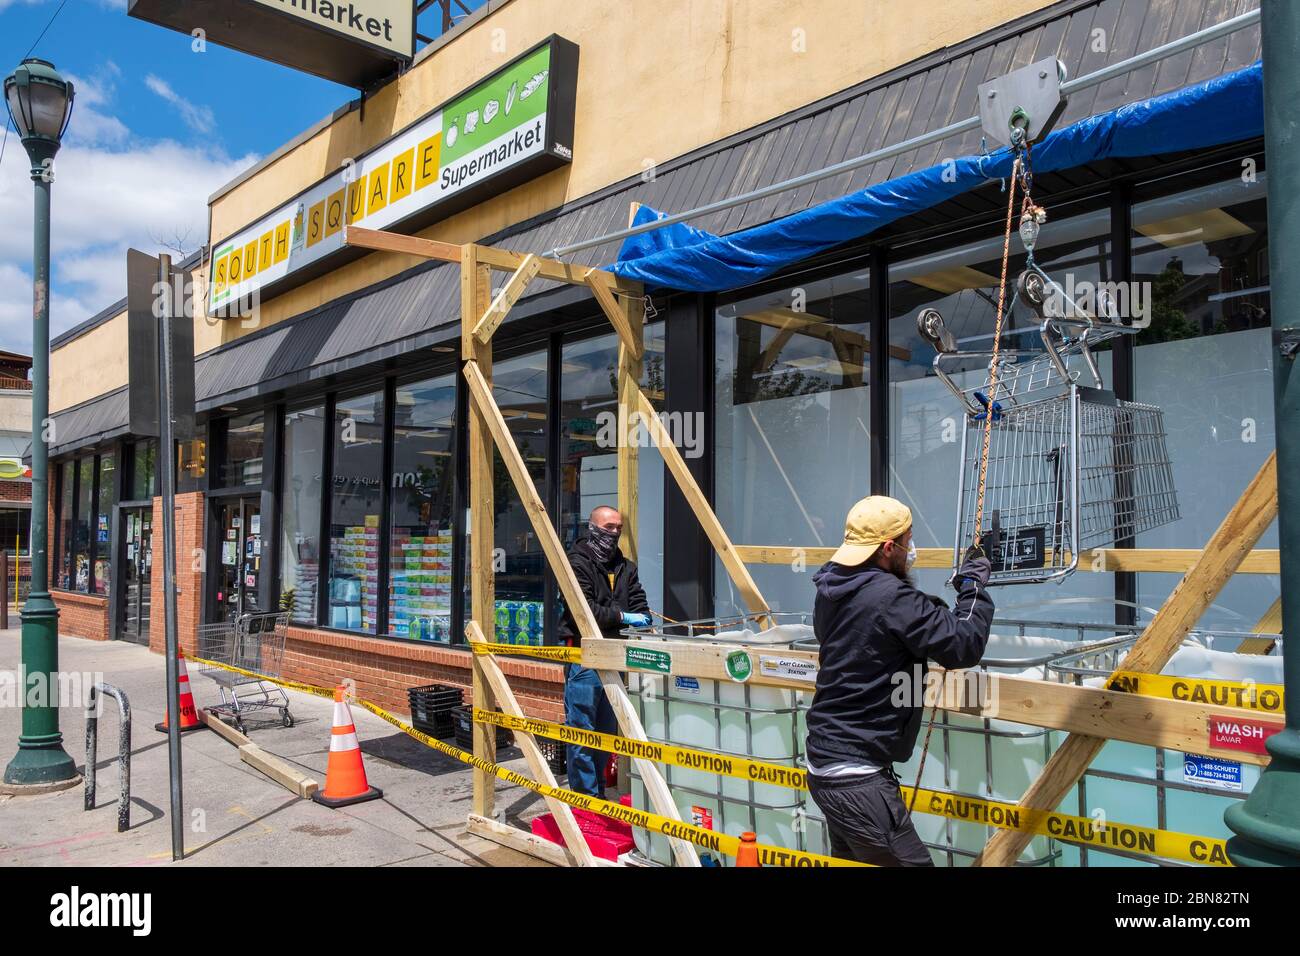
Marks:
<point>251,642</point>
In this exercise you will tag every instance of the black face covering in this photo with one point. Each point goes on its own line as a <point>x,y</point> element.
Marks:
<point>601,542</point>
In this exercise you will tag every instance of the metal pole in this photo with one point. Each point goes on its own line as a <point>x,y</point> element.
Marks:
<point>41,761</point>
<point>1268,823</point>
<point>1182,44</point>
<point>167,454</point>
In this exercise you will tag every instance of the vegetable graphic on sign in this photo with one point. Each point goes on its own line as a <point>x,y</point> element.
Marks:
<point>471,121</point>
<point>532,85</point>
<point>490,110</point>
<point>510,96</point>
<point>452,133</point>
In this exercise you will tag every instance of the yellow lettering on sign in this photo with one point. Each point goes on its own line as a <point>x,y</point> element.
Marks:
<point>356,200</point>
<point>250,259</point>
<point>219,274</point>
<point>282,241</point>
<point>235,270</point>
<point>334,213</point>
<point>426,161</point>
<point>265,248</point>
<point>315,223</point>
<point>378,191</point>
<point>401,182</point>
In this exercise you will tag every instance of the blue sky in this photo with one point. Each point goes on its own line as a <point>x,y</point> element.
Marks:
<point>156,127</point>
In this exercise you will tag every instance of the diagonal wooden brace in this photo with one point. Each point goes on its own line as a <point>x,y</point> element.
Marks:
<point>506,298</point>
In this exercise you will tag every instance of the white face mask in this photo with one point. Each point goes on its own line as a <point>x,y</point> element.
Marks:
<point>911,554</point>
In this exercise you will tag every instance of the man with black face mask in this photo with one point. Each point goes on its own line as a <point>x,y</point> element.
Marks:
<point>610,583</point>
<point>876,632</point>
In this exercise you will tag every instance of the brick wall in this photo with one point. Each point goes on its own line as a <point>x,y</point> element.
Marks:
<point>82,615</point>
<point>16,491</point>
<point>190,561</point>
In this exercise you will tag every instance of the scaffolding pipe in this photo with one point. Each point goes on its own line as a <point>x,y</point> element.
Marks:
<point>970,124</point>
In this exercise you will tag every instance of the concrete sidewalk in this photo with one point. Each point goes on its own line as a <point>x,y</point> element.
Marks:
<point>235,816</point>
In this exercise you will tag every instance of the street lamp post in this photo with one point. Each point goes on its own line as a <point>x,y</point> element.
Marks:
<point>40,102</point>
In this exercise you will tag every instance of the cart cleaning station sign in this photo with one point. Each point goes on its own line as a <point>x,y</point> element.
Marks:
<point>514,126</point>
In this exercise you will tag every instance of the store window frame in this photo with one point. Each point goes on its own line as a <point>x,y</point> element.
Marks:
<point>95,549</point>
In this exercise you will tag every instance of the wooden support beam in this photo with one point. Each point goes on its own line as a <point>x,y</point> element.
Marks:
<point>505,299</point>
<point>381,241</point>
<point>475,290</point>
<point>1236,536</point>
<point>574,599</point>
<point>630,366</point>
<point>576,847</point>
<point>1163,560</point>
<point>700,505</point>
<point>521,841</point>
<point>1270,623</point>
<point>615,313</point>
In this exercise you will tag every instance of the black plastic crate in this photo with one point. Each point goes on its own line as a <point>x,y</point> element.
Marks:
<point>556,754</point>
<point>464,720</point>
<point>431,709</point>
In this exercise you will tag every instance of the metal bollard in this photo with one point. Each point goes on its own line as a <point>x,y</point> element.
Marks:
<point>123,751</point>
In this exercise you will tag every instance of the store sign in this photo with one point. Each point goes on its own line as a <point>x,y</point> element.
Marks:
<point>353,42</point>
<point>510,128</point>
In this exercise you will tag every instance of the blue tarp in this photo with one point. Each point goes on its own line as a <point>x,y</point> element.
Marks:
<point>1226,109</point>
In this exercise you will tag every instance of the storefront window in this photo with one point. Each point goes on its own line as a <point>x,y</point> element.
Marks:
<point>792,442</point>
<point>1206,360</point>
<point>67,498</point>
<point>82,522</point>
<point>191,465</point>
<point>588,466</point>
<point>103,516</point>
<point>304,450</point>
<point>242,461</point>
<point>143,470</point>
<point>356,498</point>
<point>520,390</point>
<point>424,464</point>
<point>926,419</point>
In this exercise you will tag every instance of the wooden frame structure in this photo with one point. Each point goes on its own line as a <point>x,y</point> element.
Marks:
<point>1089,715</point>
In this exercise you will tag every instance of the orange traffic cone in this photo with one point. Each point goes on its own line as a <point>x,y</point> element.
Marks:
<point>747,855</point>
<point>189,715</point>
<point>345,774</point>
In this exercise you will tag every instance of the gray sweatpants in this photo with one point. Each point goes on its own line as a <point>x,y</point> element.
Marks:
<point>868,820</point>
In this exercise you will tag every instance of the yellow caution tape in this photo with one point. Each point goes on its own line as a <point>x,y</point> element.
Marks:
<point>565,655</point>
<point>1249,695</point>
<point>652,822</point>
<point>1007,816</point>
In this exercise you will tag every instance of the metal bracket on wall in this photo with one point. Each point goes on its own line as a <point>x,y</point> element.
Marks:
<point>1028,99</point>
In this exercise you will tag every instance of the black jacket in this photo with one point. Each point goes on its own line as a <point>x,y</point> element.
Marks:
<point>875,630</point>
<point>607,603</point>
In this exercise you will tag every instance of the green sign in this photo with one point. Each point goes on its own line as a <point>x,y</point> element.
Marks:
<point>648,659</point>
<point>738,666</point>
<point>502,104</point>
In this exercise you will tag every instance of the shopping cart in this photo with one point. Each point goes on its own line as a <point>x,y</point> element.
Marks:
<point>251,642</point>
<point>1069,465</point>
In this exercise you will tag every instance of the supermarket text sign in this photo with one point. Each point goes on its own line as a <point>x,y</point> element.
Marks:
<point>510,128</point>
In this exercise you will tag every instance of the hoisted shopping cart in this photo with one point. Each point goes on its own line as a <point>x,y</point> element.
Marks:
<point>254,643</point>
<point>1069,465</point>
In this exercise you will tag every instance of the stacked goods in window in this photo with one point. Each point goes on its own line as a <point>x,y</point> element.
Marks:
<point>420,585</point>
<point>519,622</point>
<point>305,576</point>
<point>354,576</point>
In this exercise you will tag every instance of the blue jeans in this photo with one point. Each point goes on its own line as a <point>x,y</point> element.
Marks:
<point>587,708</point>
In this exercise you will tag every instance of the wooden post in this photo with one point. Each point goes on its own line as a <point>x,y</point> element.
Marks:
<point>575,845</point>
<point>1239,532</point>
<point>1270,623</point>
<point>630,366</point>
<point>475,293</point>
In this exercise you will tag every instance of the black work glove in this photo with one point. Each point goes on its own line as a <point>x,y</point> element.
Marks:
<point>975,566</point>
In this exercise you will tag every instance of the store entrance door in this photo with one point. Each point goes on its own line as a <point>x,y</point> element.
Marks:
<point>133,624</point>
<point>240,558</point>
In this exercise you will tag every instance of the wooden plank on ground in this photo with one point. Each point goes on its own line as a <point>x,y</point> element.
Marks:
<point>505,299</point>
<point>279,770</point>
<point>521,841</point>
<point>1239,532</point>
<point>577,848</point>
<point>224,729</point>
<point>704,513</point>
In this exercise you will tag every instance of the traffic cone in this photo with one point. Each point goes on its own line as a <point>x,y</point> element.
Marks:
<point>345,774</point>
<point>189,714</point>
<point>747,855</point>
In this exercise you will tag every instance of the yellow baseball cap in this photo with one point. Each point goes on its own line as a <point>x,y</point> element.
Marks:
<point>871,522</point>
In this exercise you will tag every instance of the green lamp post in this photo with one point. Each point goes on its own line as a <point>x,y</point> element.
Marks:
<point>40,102</point>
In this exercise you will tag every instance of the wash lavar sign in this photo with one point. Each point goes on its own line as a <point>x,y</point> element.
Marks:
<point>503,131</point>
<point>353,42</point>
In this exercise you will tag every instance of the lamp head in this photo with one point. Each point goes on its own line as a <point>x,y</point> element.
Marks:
<point>40,104</point>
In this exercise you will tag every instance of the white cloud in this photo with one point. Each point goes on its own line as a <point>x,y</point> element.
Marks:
<point>198,118</point>
<point>110,191</point>
<point>26,3</point>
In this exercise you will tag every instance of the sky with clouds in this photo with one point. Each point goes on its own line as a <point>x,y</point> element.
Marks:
<point>156,128</point>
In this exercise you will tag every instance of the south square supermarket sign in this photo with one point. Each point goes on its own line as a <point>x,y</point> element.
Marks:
<point>510,128</point>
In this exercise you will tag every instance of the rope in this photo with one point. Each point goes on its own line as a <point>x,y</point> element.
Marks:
<point>988,416</point>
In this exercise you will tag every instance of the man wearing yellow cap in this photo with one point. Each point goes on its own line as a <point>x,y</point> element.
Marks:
<point>876,631</point>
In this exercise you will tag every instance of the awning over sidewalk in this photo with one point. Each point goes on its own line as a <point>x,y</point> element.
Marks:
<point>1226,109</point>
